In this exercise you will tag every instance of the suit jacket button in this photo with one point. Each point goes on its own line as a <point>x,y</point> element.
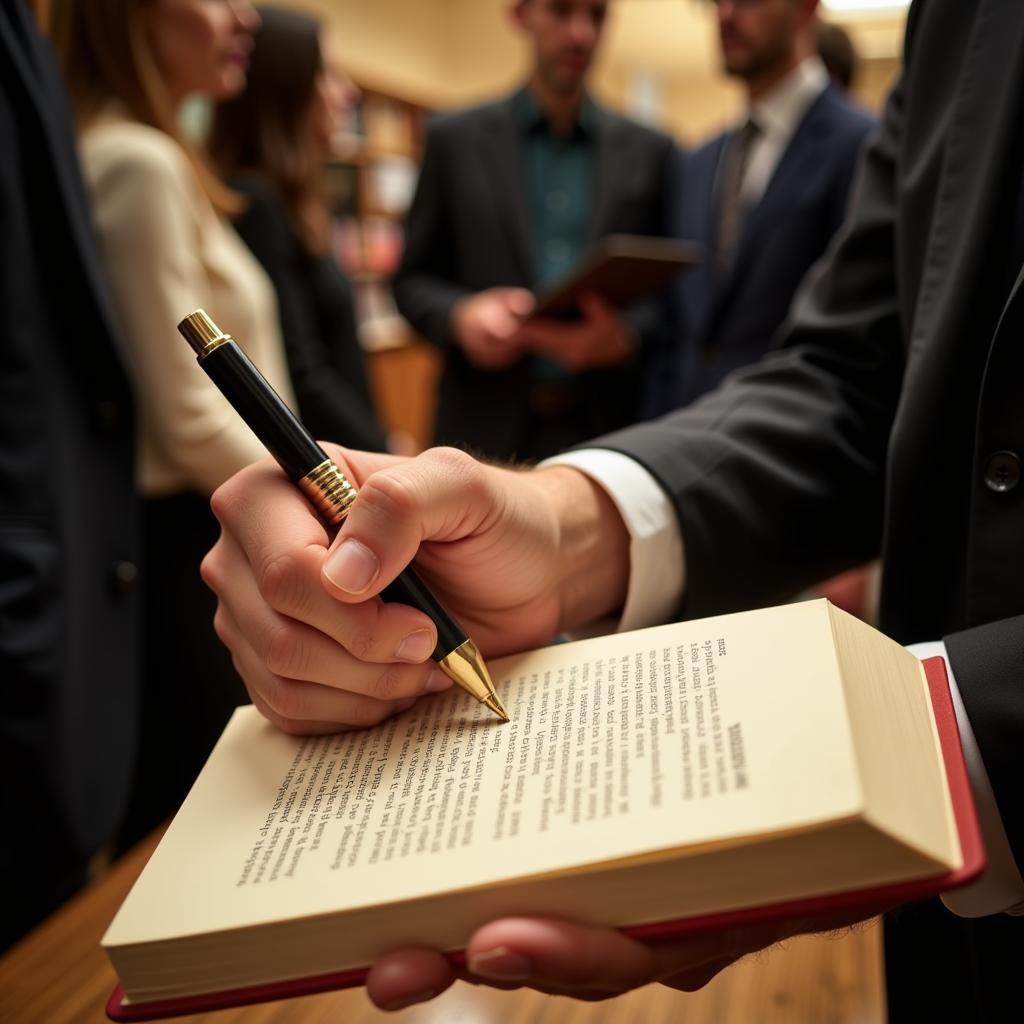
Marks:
<point>124,577</point>
<point>1002,471</point>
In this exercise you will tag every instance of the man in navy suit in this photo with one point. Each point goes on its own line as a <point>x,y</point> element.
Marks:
<point>763,199</point>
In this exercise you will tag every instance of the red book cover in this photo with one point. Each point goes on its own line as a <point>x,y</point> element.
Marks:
<point>901,892</point>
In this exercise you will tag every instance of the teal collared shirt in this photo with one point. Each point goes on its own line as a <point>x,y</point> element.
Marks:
<point>560,181</point>
<point>560,186</point>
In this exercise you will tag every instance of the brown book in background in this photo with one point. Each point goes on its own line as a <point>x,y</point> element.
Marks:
<point>621,269</point>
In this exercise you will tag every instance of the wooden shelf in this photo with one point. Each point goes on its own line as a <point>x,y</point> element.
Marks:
<point>373,175</point>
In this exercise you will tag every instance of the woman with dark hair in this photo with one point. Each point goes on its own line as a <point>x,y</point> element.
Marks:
<point>270,142</point>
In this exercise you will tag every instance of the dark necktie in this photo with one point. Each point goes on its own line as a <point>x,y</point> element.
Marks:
<point>731,209</point>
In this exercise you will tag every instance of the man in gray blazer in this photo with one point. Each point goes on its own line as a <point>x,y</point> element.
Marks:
<point>891,422</point>
<point>511,196</point>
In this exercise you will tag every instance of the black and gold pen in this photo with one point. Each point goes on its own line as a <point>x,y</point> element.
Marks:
<point>327,488</point>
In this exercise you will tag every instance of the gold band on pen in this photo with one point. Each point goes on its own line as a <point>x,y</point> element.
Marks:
<point>329,491</point>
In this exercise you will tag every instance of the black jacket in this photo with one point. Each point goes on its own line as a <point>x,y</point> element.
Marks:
<point>892,423</point>
<point>468,231</point>
<point>68,540</point>
<point>318,325</point>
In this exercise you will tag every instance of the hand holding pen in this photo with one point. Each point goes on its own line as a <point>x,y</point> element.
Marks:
<point>516,556</point>
<point>331,494</point>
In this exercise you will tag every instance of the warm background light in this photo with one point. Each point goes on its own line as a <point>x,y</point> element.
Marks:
<point>847,6</point>
<point>661,57</point>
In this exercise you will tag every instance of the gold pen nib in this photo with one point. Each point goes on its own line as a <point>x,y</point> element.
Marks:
<point>497,707</point>
<point>467,668</point>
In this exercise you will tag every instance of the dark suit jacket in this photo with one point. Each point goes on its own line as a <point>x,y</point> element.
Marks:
<point>723,323</point>
<point>467,231</point>
<point>67,513</point>
<point>318,325</point>
<point>875,431</point>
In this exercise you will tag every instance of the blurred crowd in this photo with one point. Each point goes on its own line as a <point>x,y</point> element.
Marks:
<point>118,223</point>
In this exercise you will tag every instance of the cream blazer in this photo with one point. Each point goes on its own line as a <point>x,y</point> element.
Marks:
<point>166,252</point>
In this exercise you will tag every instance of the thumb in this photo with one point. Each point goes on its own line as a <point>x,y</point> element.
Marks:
<point>440,495</point>
<point>519,301</point>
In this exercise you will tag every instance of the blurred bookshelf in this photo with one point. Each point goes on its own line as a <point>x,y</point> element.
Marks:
<point>370,183</point>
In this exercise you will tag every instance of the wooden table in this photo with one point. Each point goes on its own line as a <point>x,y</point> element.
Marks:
<point>59,975</point>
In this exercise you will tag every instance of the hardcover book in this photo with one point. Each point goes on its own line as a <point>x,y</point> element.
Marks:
<point>741,767</point>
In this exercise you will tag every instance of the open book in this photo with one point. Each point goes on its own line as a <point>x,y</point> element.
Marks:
<point>662,780</point>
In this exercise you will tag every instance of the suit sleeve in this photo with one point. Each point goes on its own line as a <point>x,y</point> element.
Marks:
<point>988,662</point>
<point>328,404</point>
<point>425,287</point>
<point>777,477</point>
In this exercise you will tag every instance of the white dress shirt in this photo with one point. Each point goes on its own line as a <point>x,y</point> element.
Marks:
<point>778,114</point>
<point>657,580</point>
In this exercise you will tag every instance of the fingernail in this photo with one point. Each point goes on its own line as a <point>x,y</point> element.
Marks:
<point>403,1001</point>
<point>437,681</point>
<point>351,567</point>
<point>416,647</point>
<point>501,964</point>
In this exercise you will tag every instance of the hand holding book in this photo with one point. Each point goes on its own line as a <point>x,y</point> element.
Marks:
<point>562,958</point>
<point>496,328</point>
<point>598,338</point>
<point>486,325</point>
<point>715,777</point>
<point>709,786</point>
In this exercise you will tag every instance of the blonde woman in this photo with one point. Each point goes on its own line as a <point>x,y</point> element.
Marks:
<point>167,248</point>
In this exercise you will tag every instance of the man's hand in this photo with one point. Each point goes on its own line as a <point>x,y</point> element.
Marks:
<point>598,339</point>
<point>515,556</point>
<point>581,961</point>
<point>487,326</point>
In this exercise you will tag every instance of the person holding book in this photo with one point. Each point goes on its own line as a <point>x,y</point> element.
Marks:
<point>167,246</point>
<point>511,197</point>
<point>270,143</point>
<point>889,422</point>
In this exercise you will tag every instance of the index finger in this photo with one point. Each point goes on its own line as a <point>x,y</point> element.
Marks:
<point>261,508</point>
<point>267,514</point>
<point>282,545</point>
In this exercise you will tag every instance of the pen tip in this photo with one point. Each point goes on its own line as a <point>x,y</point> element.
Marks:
<point>497,707</point>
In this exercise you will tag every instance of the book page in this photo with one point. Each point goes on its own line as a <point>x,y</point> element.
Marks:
<point>620,746</point>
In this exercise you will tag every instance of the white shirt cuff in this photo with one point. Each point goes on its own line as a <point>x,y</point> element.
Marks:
<point>657,567</point>
<point>1001,888</point>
